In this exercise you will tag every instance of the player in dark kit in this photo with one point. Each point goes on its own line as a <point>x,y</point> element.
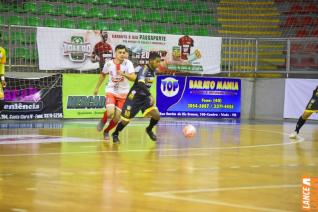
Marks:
<point>102,51</point>
<point>139,98</point>
<point>312,107</point>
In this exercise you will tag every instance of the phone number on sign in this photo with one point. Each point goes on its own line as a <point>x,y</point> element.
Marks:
<point>206,106</point>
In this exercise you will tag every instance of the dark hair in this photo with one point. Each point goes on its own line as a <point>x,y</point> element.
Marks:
<point>120,47</point>
<point>154,55</point>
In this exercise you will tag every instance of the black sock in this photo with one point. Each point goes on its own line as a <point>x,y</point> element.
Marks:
<point>120,127</point>
<point>152,123</point>
<point>299,124</point>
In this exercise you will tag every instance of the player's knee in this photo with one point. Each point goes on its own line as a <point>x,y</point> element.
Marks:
<point>116,118</point>
<point>156,116</point>
<point>306,115</point>
<point>124,122</point>
<point>110,113</point>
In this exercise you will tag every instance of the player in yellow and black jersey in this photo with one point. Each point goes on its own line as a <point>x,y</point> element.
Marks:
<point>312,107</point>
<point>139,98</point>
<point>2,73</point>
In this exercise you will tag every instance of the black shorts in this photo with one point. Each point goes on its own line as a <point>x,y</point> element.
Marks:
<point>134,103</point>
<point>312,105</point>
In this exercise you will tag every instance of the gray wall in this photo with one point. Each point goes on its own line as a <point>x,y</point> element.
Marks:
<point>262,98</point>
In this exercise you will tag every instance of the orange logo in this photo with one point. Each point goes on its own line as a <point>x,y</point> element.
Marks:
<point>310,194</point>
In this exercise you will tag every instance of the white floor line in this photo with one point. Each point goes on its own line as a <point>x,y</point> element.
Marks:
<point>255,166</point>
<point>292,165</point>
<point>184,155</point>
<point>39,174</point>
<point>18,210</point>
<point>88,146</point>
<point>171,195</point>
<point>234,167</point>
<point>146,150</point>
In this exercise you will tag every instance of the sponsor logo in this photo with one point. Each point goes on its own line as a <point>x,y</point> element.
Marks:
<point>169,86</point>
<point>77,49</point>
<point>86,102</point>
<point>309,198</point>
<point>16,107</point>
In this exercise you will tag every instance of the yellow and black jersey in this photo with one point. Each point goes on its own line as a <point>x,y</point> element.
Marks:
<point>2,60</point>
<point>312,105</point>
<point>144,80</point>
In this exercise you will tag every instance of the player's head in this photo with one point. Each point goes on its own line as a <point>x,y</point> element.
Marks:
<point>121,52</point>
<point>104,35</point>
<point>154,60</point>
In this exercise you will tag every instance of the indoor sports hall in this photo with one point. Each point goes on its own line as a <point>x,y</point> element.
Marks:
<point>173,105</point>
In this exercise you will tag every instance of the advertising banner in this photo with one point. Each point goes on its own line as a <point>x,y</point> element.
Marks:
<point>85,49</point>
<point>33,98</point>
<point>298,93</point>
<point>198,97</point>
<point>78,98</point>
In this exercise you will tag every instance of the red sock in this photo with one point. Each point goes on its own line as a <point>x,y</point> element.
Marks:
<point>111,125</point>
<point>104,119</point>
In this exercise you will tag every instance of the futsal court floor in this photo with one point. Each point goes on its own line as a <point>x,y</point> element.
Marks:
<point>228,166</point>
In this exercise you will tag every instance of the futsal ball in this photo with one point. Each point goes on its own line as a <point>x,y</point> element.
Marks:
<point>189,131</point>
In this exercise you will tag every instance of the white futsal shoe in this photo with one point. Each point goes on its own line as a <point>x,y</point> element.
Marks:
<point>293,135</point>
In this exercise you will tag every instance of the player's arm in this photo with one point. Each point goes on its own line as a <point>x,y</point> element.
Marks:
<point>94,57</point>
<point>131,76</point>
<point>101,79</point>
<point>2,66</point>
<point>141,81</point>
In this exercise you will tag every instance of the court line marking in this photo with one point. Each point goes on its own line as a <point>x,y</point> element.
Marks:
<point>88,146</point>
<point>183,155</point>
<point>301,139</point>
<point>19,209</point>
<point>235,167</point>
<point>164,170</point>
<point>147,150</point>
<point>171,195</point>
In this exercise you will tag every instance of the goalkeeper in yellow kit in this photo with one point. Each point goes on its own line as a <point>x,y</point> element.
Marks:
<point>2,72</point>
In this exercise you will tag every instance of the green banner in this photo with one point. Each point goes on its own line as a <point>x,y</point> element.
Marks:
<point>78,98</point>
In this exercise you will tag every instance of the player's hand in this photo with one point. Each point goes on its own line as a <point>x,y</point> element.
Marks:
<point>4,83</point>
<point>95,59</point>
<point>95,92</point>
<point>123,74</point>
<point>152,101</point>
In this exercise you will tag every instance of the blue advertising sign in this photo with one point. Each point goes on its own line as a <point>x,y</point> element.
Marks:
<point>198,97</point>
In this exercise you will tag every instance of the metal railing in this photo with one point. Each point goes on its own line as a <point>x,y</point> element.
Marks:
<point>239,55</point>
<point>270,55</point>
